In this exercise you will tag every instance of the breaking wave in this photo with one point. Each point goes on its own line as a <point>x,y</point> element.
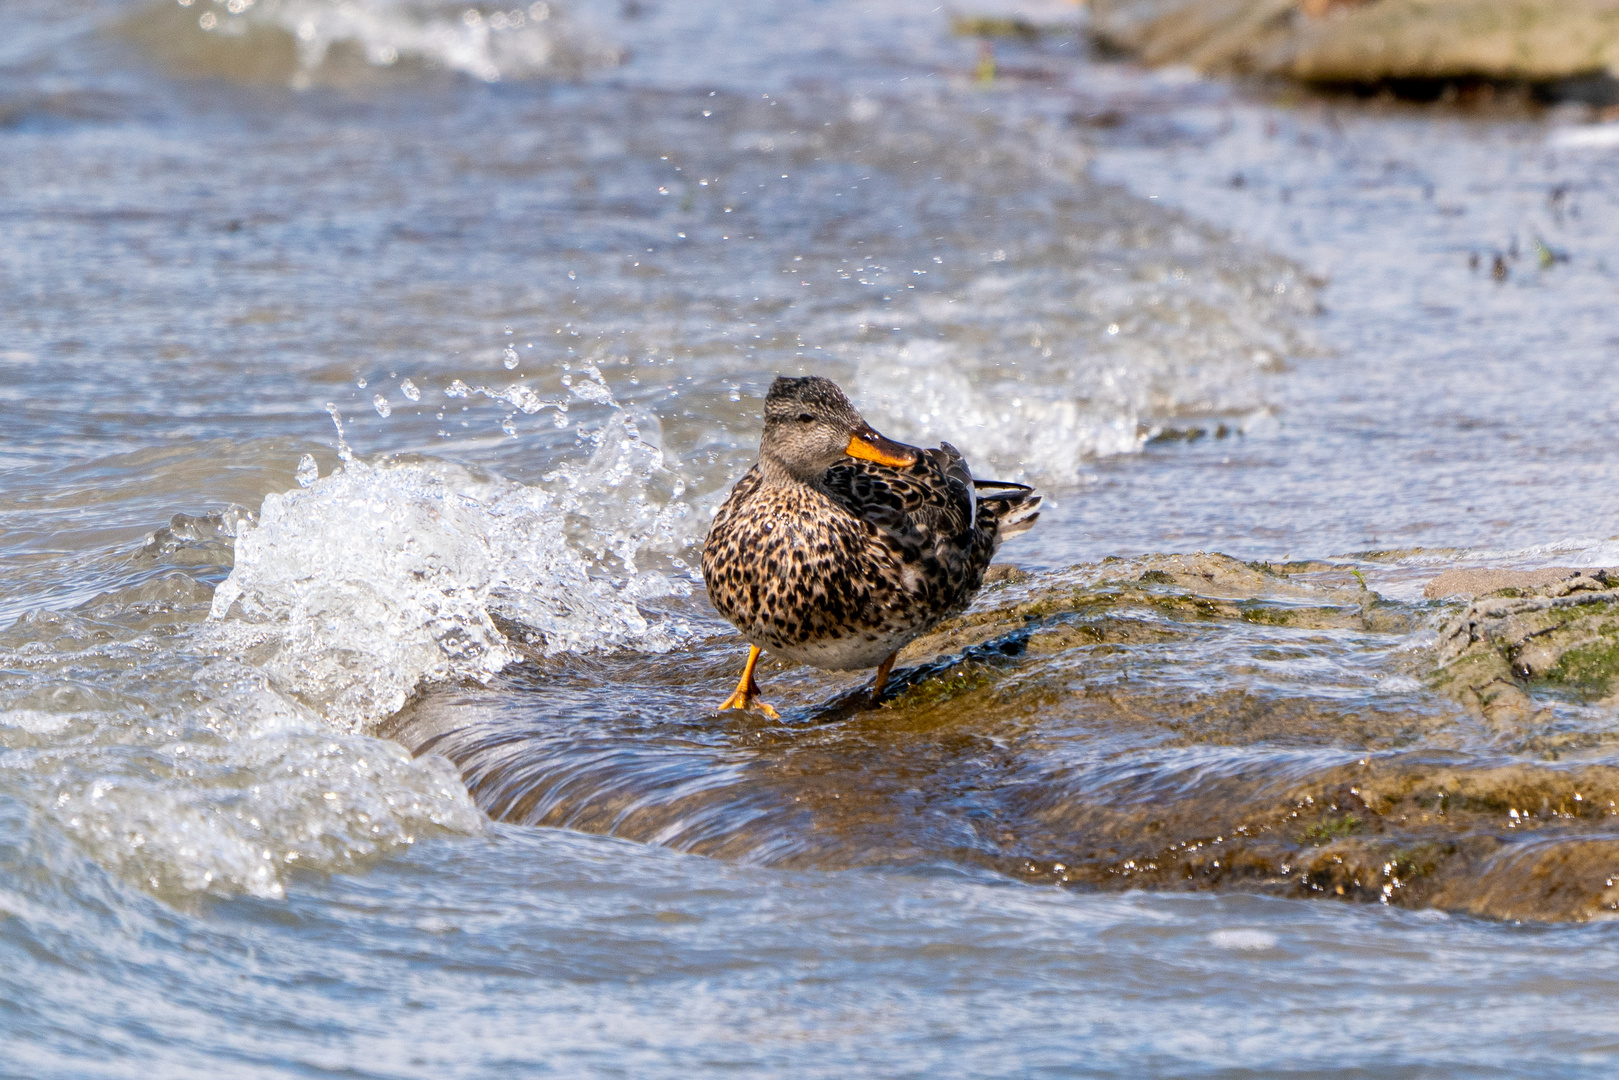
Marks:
<point>376,579</point>
<point>199,741</point>
<point>310,41</point>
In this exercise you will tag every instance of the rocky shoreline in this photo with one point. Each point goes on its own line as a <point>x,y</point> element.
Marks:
<point>1475,794</point>
<point>1373,41</point>
<point>1424,826</point>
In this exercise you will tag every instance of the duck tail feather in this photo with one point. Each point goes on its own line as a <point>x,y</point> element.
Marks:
<point>1018,527</point>
<point>991,489</point>
<point>1014,512</point>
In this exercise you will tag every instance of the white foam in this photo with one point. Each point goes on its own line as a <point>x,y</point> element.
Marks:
<point>1059,359</point>
<point>1584,137</point>
<point>353,592</point>
<point>1018,431</point>
<point>1243,940</point>
<point>513,42</point>
<point>34,721</point>
<point>1569,551</point>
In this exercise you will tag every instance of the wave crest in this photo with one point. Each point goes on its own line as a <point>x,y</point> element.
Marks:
<point>372,581</point>
<point>346,41</point>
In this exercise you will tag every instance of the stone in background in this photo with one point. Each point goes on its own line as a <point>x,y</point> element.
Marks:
<point>1369,41</point>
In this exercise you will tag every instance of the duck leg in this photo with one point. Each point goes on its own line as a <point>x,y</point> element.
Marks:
<point>746,695</point>
<point>882,676</point>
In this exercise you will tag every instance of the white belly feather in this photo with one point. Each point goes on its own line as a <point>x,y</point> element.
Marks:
<point>845,653</point>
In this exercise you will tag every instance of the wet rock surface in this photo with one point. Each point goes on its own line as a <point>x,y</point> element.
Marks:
<point>1167,722</point>
<point>1369,41</point>
<point>1474,582</point>
<point>1530,640</point>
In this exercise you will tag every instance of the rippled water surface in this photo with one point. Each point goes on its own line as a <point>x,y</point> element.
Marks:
<point>370,371</point>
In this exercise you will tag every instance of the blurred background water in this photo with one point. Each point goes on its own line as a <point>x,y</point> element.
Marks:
<point>361,356</point>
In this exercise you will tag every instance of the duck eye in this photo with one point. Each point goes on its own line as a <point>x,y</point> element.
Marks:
<point>805,418</point>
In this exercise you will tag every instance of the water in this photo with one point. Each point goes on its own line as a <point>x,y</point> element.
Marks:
<point>373,368</point>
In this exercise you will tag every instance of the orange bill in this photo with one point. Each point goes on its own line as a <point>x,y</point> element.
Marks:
<point>867,445</point>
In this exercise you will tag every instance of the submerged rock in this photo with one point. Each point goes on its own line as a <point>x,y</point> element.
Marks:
<point>1168,722</point>
<point>1369,41</point>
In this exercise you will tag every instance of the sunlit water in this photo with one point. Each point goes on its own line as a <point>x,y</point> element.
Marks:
<point>368,357</point>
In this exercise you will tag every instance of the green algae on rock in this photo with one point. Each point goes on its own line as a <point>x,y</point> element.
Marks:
<point>1168,722</point>
<point>1531,637</point>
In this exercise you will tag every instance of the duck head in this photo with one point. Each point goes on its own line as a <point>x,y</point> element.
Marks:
<point>809,425</point>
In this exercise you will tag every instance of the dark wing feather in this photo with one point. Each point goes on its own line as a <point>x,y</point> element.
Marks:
<point>995,489</point>
<point>1005,510</point>
<point>931,498</point>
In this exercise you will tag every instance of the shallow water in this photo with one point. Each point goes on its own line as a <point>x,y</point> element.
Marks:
<point>375,367</point>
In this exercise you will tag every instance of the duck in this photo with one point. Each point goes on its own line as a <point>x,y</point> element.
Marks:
<point>840,546</point>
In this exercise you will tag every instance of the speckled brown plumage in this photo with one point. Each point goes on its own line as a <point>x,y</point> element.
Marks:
<point>836,561</point>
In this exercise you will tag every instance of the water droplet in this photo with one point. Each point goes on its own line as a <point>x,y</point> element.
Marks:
<point>409,389</point>
<point>382,406</point>
<point>510,358</point>
<point>508,427</point>
<point>360,383</point>
<point>344,451</point>
<point>308,472</point>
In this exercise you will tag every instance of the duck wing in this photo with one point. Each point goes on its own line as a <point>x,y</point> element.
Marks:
<point>936,501</point>
<point>998,508</point>
<point>932,498</point>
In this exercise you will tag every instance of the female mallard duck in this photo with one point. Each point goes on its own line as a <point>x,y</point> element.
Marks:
<point>840,546</point>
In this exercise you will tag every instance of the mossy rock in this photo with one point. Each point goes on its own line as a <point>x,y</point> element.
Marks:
<point>1084,727</point>
<point>1589,669</point>
<point>1556,640</point>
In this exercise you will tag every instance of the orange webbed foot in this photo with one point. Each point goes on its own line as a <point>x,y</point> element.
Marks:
<point>746,694</point>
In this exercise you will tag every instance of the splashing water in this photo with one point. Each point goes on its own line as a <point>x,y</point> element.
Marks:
<point>491,45</point>
<point>1028,433</point>
<point>108,723</point>
<point>361,587</point>
<point>347,595</point>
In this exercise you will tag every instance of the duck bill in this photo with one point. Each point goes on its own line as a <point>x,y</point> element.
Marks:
<point>867,445</point>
